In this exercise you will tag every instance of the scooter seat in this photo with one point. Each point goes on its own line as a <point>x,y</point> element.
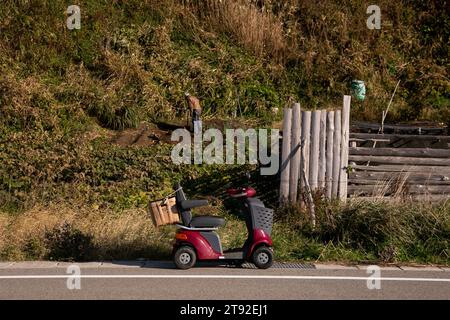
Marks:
<point>189,204</point>
<point>207,222</point>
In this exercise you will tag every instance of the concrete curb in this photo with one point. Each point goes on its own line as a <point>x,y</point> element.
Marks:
<point>169,264</point>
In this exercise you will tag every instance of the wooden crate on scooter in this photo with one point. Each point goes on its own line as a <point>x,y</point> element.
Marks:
<point>164,212</point>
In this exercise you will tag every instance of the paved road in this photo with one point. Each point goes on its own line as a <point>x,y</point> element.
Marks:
<point>159,280</point>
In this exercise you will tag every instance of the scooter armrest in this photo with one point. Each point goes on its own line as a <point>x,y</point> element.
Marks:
<point>189,204</point>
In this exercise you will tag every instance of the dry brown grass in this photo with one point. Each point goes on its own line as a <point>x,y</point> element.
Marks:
<point>113,235</point>
<point>3,225</point>
<point>129,234</point>
<point>394,187</point>
<point>260,31</point>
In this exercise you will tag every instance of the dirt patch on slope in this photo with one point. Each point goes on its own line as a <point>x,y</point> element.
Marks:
<point>149,134</point>
<point>143,136</point>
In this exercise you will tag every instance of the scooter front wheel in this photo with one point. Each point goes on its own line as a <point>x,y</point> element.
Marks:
<point>185,257</point>
<point>263,257</point>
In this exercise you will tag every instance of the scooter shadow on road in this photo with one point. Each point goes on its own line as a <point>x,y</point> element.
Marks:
<point>170,265</point>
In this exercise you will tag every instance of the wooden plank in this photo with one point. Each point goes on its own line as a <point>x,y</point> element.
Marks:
<point>411,189</point>
<point>389,175</point>
<point>295,151</point>
<point>396,128</point>
<point>398,136</point>
<point>402,168</point>
<point>342,191</point>
<point>412,197</point>
<point>432,189</point>
<point>364,140</point>
<point>322,152</point>
<point>394,180</point>
<point>314,150</point>
<point>401,160</point>
<point>306,131</point>
<point>336,153</point>
<point>329,155</point>
<point>402,152</point>
<point>285,156</point>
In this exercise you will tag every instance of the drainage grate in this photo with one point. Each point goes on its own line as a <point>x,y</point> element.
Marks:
<point>248,265</point>
<point>283,265</point>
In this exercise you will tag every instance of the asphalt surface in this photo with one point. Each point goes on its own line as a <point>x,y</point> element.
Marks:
<point>160,280</point>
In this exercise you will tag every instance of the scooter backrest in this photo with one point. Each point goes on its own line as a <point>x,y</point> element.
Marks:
<point>186,215</point>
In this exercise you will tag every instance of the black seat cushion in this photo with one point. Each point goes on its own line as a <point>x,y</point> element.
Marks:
<point>207,222</point>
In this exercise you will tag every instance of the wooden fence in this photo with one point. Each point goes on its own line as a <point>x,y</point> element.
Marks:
<point>320,154</point>
<point>315,152</point>
<point>380,166</point>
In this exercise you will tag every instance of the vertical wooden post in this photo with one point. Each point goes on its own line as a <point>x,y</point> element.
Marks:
<point>305,139</point>
<point>330,147</point>
<point>344,148</point>
<point>322,149</point>
<point>307,190</point>
<point>295,152</point>
<point>314,150</point>
<point>285,156</point>
<point>336,153</point>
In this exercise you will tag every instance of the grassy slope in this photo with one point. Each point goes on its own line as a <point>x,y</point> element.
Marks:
<point>63,92</point>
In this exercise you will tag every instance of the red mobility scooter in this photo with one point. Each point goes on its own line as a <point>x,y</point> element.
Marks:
<point>197,240</point>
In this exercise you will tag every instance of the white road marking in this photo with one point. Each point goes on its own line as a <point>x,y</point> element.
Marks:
<point>153,276</point>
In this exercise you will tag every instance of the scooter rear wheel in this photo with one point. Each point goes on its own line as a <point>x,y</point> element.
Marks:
<point>185,257</point>
<point>263,257</point>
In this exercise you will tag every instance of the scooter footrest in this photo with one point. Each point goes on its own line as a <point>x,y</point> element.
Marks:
<point>238,255</point>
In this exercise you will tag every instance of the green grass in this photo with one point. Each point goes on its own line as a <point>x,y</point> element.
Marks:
<point>63,94</point>
<point>359,232</point>
<point>367,232</point>
<point>134,60</point>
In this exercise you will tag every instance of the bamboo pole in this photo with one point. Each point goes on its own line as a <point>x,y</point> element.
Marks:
<point>336,153</point>
<point>344,148</point>
<point>384,113</point>
<point>295,151</point>
<point>285,155</point>
<point>314,150</point>
<point>322,149</point>
<point>329,155</point>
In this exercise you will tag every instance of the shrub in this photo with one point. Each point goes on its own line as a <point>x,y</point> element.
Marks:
<point>67,243</point>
